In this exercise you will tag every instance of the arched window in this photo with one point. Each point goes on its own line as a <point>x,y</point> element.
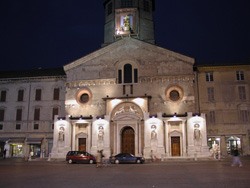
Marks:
<point>127,77</point>
<point>128,74</point>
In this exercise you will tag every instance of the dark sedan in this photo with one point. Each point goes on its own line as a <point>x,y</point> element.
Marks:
<point>126,158</point>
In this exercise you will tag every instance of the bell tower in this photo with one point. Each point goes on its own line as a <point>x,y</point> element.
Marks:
<point>129,18</point>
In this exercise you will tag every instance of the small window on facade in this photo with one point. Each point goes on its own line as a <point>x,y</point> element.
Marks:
<point>1,115</point>
<point>37,114</point>
<point>56,94</point>
<point>174,95</point>
<point>38,95</point>
<point>54,112</point>
<point>146,6</point>
<point>18,126</point>
<point>210,93</point>
<point>1,126</point>
<point>119,76</point>
<point>209,77</point>
<point>242,92</point>
<point>135,75</point>
<point>127,73</point>
<point>52,126</point>
<point>244,116</point>
<point>84,98</point>
<point>20,95</point>
<point>19,115</point>
<point>124,89</point>
<point>211,117</point>
<point>239,75</point>
<point>3,96</point>
<point>36,126</point>
<point>110,8</point>
<point>131,89</point>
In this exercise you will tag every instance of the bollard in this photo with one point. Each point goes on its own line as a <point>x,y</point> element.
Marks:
<point>195,156</point>
<point>49,158</point>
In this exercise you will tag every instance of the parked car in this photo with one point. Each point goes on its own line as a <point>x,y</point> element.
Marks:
<point>80,157</point>
<point>126,158</point>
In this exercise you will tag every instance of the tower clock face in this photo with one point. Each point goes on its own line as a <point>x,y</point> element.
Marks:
<point>126,21</point>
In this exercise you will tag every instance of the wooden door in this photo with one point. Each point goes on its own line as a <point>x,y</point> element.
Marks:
<point>175,146</point>
<point>128,140</point>
<point>82,144</point>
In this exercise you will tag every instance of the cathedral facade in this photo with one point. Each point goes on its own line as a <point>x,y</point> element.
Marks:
<point>129,96</point>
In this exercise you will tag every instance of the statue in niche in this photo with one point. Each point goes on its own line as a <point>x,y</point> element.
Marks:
<point>61,134</point>
<point>153,132</point>
<point>197,132</point>
<point>6,149</point>
<point>126,25</point>
<point>100,133</point>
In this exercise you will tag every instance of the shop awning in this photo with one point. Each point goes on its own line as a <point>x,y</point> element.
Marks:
<point>13,140</point>
<point>34,140</point>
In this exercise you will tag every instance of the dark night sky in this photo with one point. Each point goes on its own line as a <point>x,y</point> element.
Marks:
<point>52,33</point>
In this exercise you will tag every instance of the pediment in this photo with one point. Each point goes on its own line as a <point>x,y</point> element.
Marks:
<point>103,62</point>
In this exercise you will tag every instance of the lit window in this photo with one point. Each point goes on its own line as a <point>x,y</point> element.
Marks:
<point>209,77</point>
<point>239,75</point>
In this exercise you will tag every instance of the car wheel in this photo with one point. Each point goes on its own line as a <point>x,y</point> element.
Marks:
<point>70,161</point>
<point>138,161</point>
<point>91,161</point>
<point>117,161</point>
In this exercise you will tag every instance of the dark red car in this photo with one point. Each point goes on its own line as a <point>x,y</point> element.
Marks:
<point>80,157</point>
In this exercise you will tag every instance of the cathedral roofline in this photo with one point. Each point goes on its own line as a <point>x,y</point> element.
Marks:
<point>124,41</point>
<point>54,72</point>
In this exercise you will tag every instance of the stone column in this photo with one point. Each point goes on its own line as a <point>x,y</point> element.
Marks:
<point>223,145</point>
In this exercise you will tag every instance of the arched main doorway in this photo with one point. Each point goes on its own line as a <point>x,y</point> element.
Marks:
<point>128,140</point>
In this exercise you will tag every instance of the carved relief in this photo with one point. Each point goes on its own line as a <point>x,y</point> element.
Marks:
<point>127,108</point>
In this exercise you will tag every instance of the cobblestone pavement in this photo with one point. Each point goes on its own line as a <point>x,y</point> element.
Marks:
<point>205,173</point>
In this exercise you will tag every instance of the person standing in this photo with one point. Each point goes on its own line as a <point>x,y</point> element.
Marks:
<point>236,158</point>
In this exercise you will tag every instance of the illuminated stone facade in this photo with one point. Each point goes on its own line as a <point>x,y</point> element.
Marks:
<point>135,97</point>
